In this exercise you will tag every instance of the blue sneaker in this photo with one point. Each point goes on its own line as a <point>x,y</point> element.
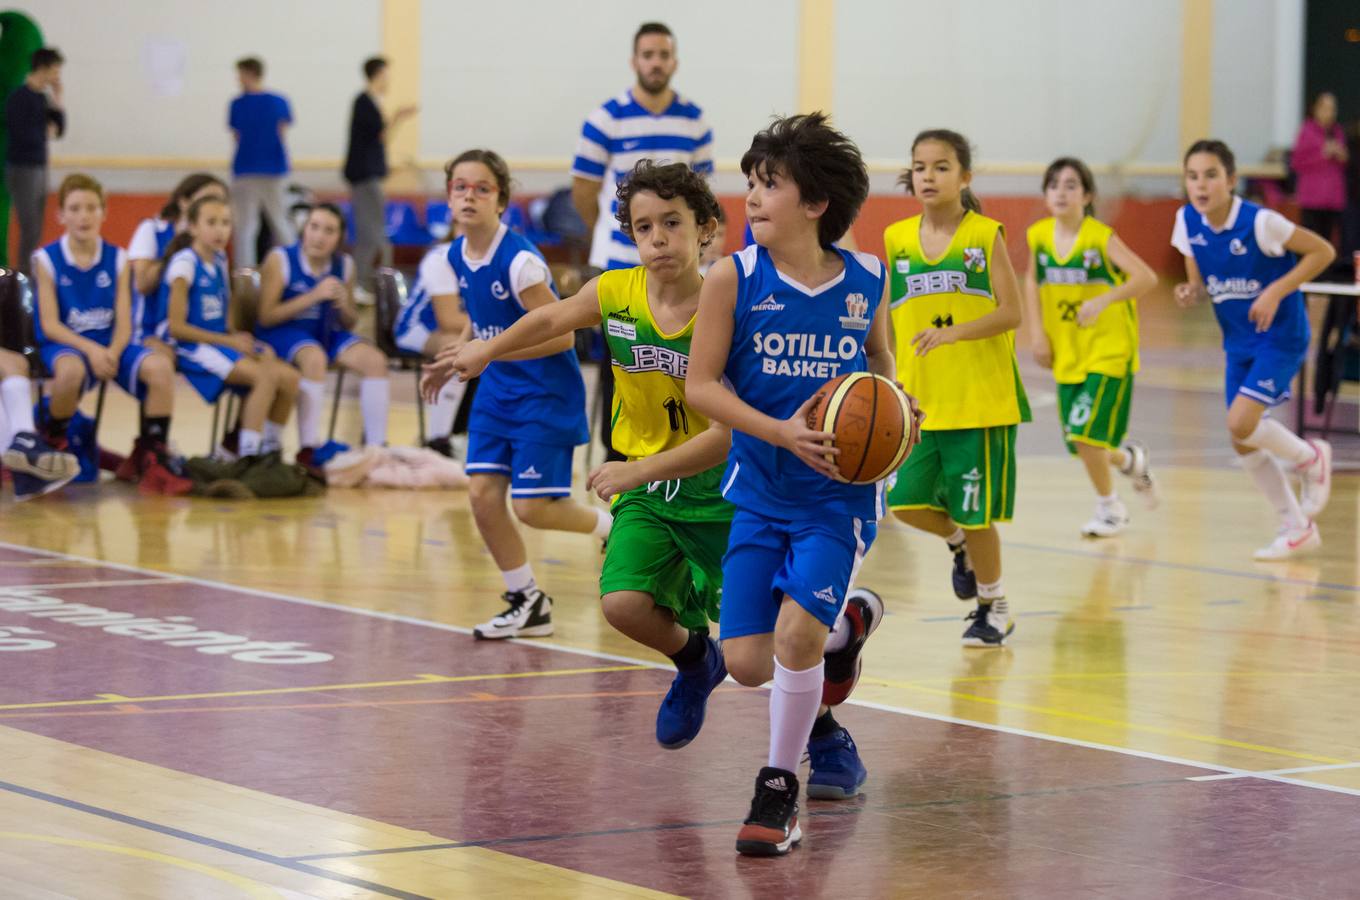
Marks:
<point>965,580</point>
<point>682,712</point>
<point>836,771</point>
<point>38,468</point>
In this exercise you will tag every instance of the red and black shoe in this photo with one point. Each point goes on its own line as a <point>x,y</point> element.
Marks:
<point>160,472</point>
<point>771,828</point>
<point>306,457</point>
<point>864,612</point>
<point>128,468</point>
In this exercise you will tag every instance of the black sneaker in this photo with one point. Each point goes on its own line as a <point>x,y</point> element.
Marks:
<point>443,446</point>
<point>965,580</point>
<point>772,827</point>
<point>990,625</point>
<point>529,615</point>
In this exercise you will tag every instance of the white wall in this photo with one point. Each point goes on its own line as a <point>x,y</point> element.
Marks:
<point>1024,82</point>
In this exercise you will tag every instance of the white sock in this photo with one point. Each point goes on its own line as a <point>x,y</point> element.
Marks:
<point>272,439</point>
<point>956,538</point>
<point>440,414</point>
<point>1284,444</point>
<point>794,702</point>
<point>1110,502</point>
<point>373,400</point>
<point>311,396</point>
<point>1271,480</point>
<point>248,444</point>
<point>603,522</point>
<point>519,580</point>
<point>16,393</point>
<point>990,592</point>
<point>840,634</point>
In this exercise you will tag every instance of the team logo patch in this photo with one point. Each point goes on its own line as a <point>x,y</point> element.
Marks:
<point>1043,259</point>
<point>973,475</point>
<point>769,304</point>
<point>856,312</point>
<point>827,595</point>
<point>1198,241</point>
<point>974,259</point>
<point>462,283</point>
<point>1267,385</point>
<point>903,266</point>
<point>103,281</point>
<point>1090,259</point>
<point>213,307</point>
<point>1237,248</point>
<point>498,291</point>
<point>530,473</point>
<point>621,329</point>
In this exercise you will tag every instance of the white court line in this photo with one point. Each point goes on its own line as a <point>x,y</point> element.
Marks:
<point>651,664</point>
<point>1298,771</point>
<point>66,586</point>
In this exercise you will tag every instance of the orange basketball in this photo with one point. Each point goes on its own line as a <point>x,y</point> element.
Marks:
<point>871,419</point>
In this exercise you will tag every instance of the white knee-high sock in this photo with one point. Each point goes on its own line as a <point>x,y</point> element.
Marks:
<point>311,395</point>
<point>1284,444</point>
<point>439,415</point>
<point>373,401</point>
<point>1271,480</point>
<point>793,708</point>
<point>16,394</point>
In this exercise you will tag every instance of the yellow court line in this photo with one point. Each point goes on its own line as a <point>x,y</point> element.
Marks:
<point>1116,723</point>
<point>252,888</point>
<point>108,699</point>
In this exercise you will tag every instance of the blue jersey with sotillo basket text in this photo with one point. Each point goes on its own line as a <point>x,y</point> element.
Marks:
<point>542,400</point>
<point>1235,270</point>
<point>85,297</point>
<point>787,341</point>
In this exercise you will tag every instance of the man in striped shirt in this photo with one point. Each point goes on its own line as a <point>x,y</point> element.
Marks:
<point>648,121</point>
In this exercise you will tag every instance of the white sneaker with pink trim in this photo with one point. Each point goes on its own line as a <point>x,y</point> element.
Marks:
<point>1315,480</point>
<point>1290,542</point>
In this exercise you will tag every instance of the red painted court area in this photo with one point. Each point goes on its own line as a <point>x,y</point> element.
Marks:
<point>547,754</point>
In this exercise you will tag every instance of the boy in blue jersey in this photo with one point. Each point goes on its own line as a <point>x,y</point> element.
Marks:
<point>529,412</point>
<point>84,329</point>
<point>775,322</point>
<point>1250,263</point>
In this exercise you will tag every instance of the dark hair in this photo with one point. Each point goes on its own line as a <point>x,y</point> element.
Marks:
<point>824,164</point>
<point>44,57</point>
<point>492,160</point>
<point>647,28</point>
<point>184,238</point>
<point>373,66</point>
<point>1217,148</point>
<point>326,206</point>
<point>251,65</point>
<point>667,182</point>
<point>962,151</point>
<point>1088,181</point>
<point>187,187</point>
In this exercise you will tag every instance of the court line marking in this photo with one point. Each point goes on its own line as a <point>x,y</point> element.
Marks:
<point>111,699</point>
<point>552,647</point>
<point>250,886</point>
<point>71,585</point>
<point>204,841</point>
<point>1225,776</point>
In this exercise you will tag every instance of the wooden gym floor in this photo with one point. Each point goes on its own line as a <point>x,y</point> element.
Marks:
<point>1169,720</point>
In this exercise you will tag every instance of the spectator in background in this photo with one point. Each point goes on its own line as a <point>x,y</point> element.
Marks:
<point>1319,162</point>
<point>258,120</point>
<point>33,115</point>
<point>365,169</point>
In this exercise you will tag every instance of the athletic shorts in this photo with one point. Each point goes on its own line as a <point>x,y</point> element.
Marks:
<point>966,473</point>
<point>534,470</point>
<point>129,366</point>
<point>812,562</point>
<point>1264,376</point>
<point>207,366</point>
<point>287,340</point>
<point>1096,411</point>
<point>668,540</point>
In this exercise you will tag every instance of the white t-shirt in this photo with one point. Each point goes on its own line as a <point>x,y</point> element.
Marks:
<point>436,275</point>
<point>1273,230</point>
<point>143,244</point>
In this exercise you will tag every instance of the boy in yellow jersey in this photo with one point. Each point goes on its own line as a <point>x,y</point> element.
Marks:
<point>955,306</point>
<point>1080,289</point>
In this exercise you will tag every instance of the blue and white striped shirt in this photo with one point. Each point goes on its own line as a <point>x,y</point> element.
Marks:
<point>618,134</point>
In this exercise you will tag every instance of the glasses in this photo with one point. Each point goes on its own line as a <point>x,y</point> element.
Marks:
<point>480,188</point>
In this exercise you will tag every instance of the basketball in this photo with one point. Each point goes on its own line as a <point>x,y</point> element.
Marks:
<point>871,419</point>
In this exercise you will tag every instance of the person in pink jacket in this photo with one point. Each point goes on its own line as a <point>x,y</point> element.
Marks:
<point>1319,163</point>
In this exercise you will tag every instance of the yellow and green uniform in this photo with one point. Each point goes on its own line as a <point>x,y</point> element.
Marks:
<point>669,537</point>
<point>970,391</point>
<point>1093,365</point>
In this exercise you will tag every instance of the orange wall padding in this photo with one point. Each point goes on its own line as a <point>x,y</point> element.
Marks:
<point>1145,225</point>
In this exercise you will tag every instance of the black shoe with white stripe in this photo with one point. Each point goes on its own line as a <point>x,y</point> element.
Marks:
<point>529,614</point>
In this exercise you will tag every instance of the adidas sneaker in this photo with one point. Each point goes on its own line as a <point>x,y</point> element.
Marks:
<point>989,625</point>
<point>771,828</point>
<point>528,614</point>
